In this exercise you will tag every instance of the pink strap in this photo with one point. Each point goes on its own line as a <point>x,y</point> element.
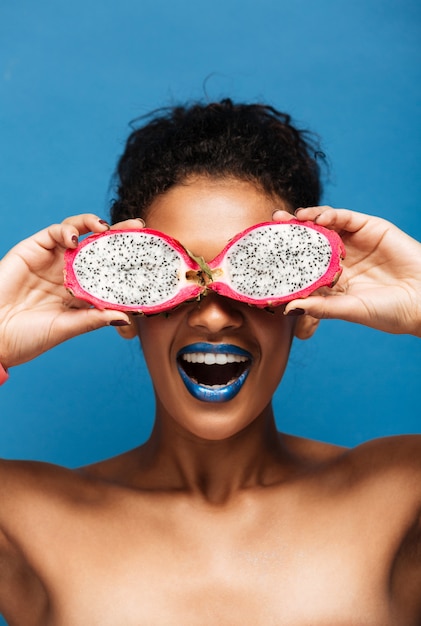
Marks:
<point>3,374</point>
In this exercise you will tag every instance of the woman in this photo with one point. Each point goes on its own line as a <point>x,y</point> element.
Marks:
<point>217,518</point>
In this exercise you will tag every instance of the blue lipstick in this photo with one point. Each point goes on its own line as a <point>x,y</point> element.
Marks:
<point>199,355</point>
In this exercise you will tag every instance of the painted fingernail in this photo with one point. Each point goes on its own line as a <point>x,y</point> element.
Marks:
<point>119,323</point>
<point>295,312</point>
<point>104,223</point>
<point>75,240</point>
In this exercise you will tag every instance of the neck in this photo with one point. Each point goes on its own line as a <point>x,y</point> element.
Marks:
<point>216,471</point>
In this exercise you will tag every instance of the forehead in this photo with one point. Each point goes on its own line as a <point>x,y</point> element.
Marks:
<point>205,213</point>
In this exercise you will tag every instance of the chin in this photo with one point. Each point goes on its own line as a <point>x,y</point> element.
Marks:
<point>216,425</point>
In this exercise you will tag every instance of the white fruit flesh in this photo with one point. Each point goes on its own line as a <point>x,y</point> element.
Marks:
<point>276,261</point>
<point>130,269</point>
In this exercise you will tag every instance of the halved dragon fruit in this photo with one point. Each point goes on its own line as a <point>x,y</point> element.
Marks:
<point>146,271</point>
<point>275,262</point>
<point>131,270</point>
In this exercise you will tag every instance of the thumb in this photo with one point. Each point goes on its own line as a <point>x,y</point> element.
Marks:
<point>80,321</point>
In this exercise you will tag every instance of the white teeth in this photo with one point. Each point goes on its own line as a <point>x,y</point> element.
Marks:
<point>211,358</point>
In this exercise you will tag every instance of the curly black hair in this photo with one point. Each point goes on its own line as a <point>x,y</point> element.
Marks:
<point>252,142</point>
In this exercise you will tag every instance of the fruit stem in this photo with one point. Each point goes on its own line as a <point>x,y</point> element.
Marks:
<point>204,276</point>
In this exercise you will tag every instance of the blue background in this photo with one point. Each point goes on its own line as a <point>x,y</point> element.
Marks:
<point>73,74</point>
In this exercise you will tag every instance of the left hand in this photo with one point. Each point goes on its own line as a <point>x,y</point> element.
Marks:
<point>380,285</point>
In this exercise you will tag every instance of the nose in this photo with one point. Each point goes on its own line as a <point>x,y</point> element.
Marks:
<point>215,313</point>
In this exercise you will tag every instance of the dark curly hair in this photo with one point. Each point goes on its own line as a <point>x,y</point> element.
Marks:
<point>252,142</point>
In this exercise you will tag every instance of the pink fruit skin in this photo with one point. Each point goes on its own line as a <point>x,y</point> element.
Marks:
<point>189,291</point>
<point>328,279</point>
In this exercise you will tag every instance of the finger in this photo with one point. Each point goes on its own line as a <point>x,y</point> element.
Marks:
<point>73,323</point>
<point>87,223</point>
<point>281,216</point>
<point>336,219</point>
<point>341,307</point>
<point>80,321</point>
<point>61,235</point>
<point>135,224</point>
<point>81,225</point>
<point>66,234</point>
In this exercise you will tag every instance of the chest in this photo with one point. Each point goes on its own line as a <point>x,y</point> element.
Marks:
<point>269,575</point>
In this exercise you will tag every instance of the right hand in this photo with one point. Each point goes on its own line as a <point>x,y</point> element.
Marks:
<point>36,311</point>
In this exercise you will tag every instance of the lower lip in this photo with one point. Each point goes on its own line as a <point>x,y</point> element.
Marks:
<point>211,394</point>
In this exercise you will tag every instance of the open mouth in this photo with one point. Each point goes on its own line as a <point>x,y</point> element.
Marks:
<point>213,372</point>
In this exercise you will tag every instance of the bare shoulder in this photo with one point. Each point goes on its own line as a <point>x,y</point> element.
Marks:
<point>392,465</point>
<point>30,486</point>
<point>387,465</point>
<point>385,454</point>
<point>392,456</point>
<point>30,475</point>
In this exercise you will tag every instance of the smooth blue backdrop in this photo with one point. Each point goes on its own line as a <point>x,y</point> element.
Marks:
<point>73,74</point>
